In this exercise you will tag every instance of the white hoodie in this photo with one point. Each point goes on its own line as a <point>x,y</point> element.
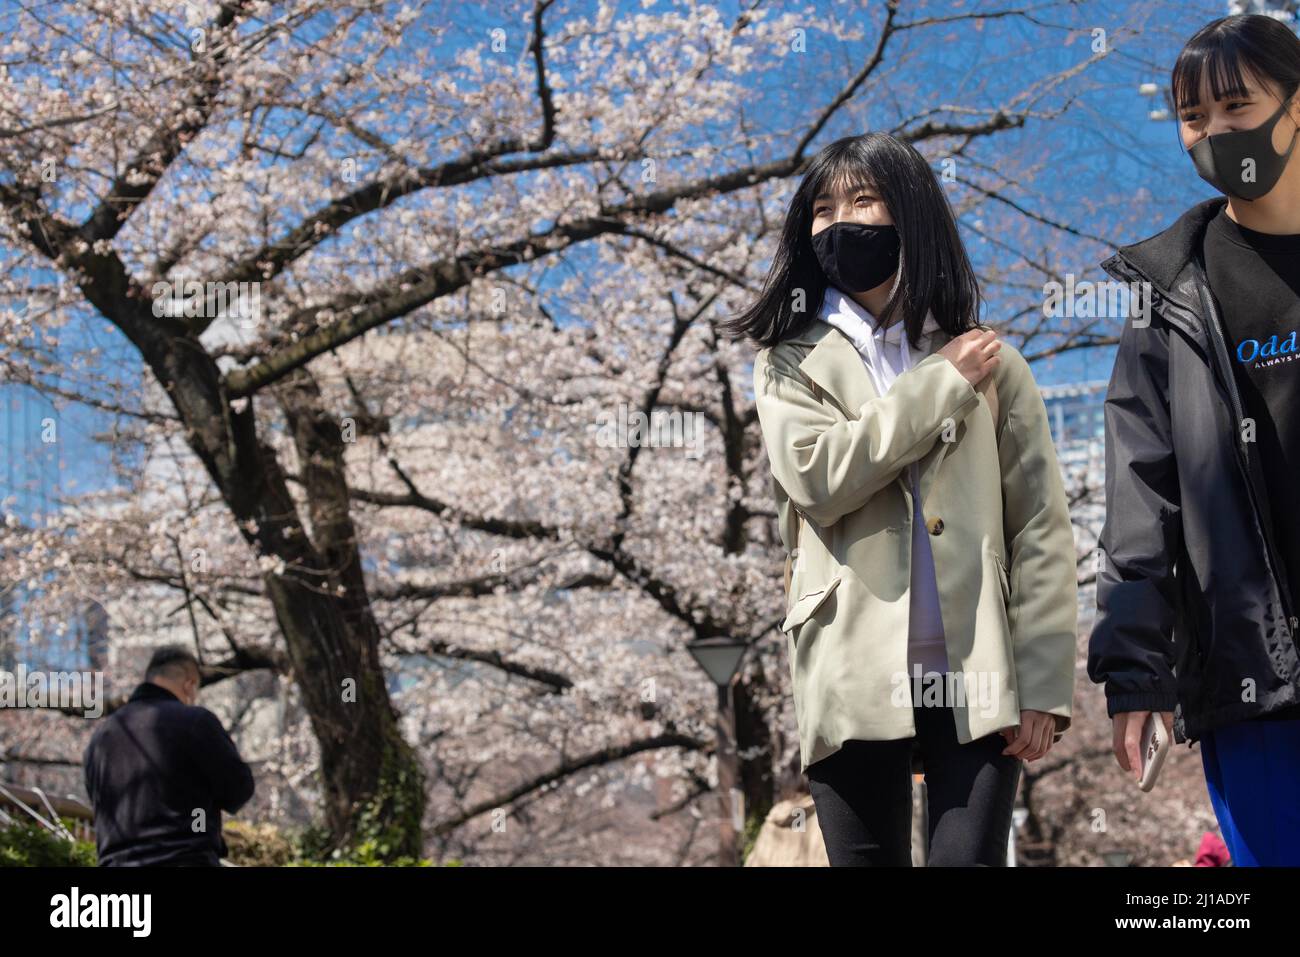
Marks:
<point>886,355</point>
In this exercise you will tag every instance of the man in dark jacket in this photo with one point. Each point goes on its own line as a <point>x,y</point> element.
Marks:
<point>160,770</point>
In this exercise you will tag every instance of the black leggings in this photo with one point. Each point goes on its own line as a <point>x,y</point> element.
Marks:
<point>863,795</point>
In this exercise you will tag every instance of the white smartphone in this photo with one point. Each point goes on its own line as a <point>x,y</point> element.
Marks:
<point>1155,745</point>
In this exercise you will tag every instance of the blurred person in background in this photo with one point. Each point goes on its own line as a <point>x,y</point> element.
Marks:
<point>160,770</point>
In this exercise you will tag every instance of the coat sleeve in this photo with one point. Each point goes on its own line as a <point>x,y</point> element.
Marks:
<point>1131,648</point>
<point>1042,569</point>
<point>830,466</point>
<point>219,762</point>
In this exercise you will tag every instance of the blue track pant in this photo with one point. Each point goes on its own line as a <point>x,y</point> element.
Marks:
<point>1252,771</point>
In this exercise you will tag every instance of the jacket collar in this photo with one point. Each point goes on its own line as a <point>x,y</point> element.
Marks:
<point>1171,262</point>
<point>1162,257</point>
<point>148,691</point>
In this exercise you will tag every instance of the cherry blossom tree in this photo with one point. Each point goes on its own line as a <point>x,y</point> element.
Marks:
<point>397,283</point>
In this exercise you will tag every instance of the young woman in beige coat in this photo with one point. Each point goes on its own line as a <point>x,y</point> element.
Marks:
<point>931,587</point>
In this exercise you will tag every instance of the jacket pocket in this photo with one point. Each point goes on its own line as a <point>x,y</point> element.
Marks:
<point>807,604</point>
<point>1003,580</point>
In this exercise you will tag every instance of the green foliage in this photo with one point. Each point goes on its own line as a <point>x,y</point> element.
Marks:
<point>387,830</point>
<point>753,825</point>
<point>27,844</point>
<point>364,854</point>
<point>389,826</point>
<point>257,845</point>
<point>312,844</point>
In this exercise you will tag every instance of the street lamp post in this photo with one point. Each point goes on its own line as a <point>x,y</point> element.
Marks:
<point>720,657</point>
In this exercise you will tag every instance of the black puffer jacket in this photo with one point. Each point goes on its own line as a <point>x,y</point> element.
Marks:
<point>1193,607</point>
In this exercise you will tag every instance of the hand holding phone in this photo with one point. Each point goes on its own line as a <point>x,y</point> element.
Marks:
<point>1155,745</point>
<point>1141,741</point>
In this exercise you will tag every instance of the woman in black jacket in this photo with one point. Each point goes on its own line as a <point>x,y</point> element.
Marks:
<point>1197,590</point>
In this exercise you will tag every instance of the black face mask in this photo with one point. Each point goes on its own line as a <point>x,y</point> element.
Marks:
<point>1220,159</point>
<point>856,257</point>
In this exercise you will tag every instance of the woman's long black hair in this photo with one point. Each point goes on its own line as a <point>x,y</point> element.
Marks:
<point>936,275</point>
<point>1263,46</point>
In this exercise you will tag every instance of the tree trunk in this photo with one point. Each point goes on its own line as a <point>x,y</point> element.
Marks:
<point>373,785</point>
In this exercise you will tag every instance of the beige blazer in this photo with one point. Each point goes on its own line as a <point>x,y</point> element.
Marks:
<point>994,503</point>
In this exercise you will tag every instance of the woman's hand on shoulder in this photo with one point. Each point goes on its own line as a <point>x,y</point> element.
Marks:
<point>974,353</point>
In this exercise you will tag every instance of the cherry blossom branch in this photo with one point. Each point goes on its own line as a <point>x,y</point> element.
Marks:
<point>269,261</point>
<point>138,179</point>
<point>594,759</point>
<point>248,659</point>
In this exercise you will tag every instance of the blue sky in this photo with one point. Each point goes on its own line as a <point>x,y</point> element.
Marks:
<point>1099,156</point>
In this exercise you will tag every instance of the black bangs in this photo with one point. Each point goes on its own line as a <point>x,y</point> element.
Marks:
<point>1230,52</point>
<point>1223,64</point>
<point>842,169</point>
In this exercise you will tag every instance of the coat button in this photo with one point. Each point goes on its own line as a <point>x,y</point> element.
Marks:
<point>936,526</point>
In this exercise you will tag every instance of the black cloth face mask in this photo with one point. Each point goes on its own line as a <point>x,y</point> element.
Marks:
<point>856,257</point>
<point>1220,159</point>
